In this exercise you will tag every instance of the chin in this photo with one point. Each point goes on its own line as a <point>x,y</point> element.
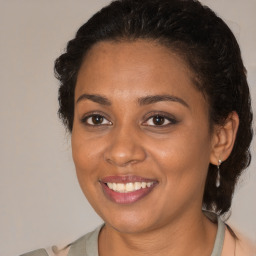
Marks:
<point>130,223</point>
<point>128,227</point>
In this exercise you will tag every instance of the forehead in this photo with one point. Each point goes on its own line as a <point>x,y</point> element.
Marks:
<point>129,63</point>
<point>126,71</point>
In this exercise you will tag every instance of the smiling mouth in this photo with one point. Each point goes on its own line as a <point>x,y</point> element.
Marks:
<point>126,189</point>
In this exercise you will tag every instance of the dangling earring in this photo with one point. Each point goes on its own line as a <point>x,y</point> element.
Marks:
<point>218,174</point>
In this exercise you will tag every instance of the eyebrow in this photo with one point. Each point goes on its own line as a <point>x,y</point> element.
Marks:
<point>158,98</point>
<point>95,98</point>
<point>147,100</point>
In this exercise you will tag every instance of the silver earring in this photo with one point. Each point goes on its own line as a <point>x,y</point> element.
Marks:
<point>218,174</point>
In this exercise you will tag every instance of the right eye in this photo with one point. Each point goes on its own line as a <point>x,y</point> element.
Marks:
<point>96,120</point>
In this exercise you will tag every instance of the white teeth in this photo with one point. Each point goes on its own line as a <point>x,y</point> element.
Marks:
<point>149,184</point>
<point>110,185</point>
<point>128,187</point>
<point>137,185</point>
<point>120,187</point>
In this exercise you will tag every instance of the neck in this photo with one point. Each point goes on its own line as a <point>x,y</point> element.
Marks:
<point>186,236</point>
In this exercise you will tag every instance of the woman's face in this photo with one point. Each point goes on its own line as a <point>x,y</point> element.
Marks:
<point>141,139</point>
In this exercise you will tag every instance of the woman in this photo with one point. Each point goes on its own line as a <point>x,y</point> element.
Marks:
<point>155,96</point>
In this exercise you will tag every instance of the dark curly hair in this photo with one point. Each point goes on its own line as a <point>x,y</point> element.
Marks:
<point>208,47</point>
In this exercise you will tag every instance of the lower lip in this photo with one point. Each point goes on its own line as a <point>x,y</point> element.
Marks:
<point>126,198</point>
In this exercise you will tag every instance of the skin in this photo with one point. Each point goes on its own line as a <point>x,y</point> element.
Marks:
<point>176,154</point>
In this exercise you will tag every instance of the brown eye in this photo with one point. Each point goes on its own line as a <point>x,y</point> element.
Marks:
<point>158,120</point>
<point>96,120</point>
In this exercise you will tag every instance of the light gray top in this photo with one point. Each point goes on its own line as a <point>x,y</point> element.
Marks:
<point>87,245</point>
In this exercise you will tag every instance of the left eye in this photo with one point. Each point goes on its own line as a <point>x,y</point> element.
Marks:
<point>158,120</point>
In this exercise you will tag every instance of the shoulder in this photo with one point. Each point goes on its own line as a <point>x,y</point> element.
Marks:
<point>244,246</point>
<point>237,244</point>
<point>39,252</point>
<point>53,251</point>
<point>86,244</point>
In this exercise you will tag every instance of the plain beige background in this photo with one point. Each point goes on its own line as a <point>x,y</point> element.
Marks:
<point>40,199</point>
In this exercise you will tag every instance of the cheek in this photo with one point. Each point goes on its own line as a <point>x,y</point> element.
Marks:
<point>85,157</point>
<point>184,168</point>
<point>183,157</point>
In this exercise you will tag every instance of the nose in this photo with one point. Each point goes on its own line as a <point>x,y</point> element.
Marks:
<point>124,148</point>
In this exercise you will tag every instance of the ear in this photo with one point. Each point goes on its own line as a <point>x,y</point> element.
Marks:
<point>223,139</point>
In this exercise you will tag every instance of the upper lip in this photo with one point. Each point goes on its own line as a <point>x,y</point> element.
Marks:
<point>125,179</point>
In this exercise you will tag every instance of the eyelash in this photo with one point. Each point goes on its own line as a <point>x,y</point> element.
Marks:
<point>167,118</point>
<point>85,119</point>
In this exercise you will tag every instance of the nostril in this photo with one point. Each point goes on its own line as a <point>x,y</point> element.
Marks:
<point>124,150</point>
